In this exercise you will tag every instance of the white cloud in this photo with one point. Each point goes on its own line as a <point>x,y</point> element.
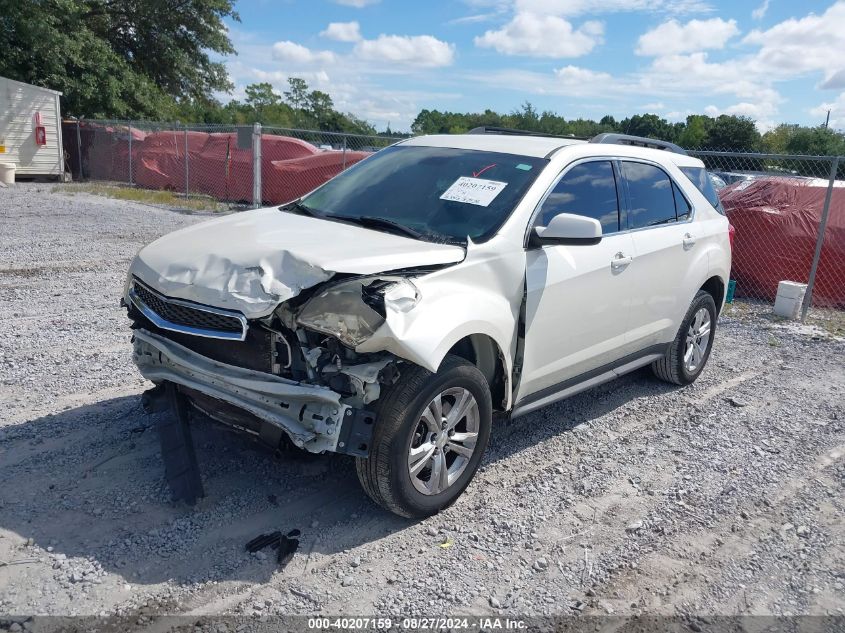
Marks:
<point>296,53</point>
<point>358,4</point>
<point>343,31</point>
<point>672,37</point>
<point>579,7</point>
<point>834,81</point>
<point>760,12</point>
<point>413,50</point>
<point>694,71</point>
<point>762,113</point>
<point>476,18</point>
<point>837,112</point>
<point>543,36</point>
<point>797,46</point>
<point>577,75</point>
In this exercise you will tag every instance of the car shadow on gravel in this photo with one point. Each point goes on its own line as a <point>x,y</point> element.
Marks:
<point>88,483</point>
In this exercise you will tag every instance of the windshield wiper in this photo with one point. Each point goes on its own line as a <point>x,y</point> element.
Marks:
<point>297,207</point>
<point>384,223</point>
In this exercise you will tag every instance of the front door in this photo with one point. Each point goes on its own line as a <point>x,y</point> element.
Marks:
<point>578,296</point>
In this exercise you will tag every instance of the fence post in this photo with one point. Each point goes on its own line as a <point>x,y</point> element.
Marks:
<point>130,153</point>
<point>344,151</point>
<point>187,171</point>
<point>808,296</point>
<point>79,149</point>
<point>256,165</point>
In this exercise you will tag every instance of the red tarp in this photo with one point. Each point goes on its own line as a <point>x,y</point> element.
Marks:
<point>216,167</point>
<point>289,179</point>
<point>777,223</point>
<point>107,155</point>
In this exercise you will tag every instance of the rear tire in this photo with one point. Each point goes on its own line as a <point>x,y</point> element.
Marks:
<point>418,465</point>
<point>687,355</point>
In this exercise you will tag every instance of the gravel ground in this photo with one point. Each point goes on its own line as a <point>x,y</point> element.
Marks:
<point>722,498</point>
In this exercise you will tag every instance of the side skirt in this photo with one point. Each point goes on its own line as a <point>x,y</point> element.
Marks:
<point>593,378</point>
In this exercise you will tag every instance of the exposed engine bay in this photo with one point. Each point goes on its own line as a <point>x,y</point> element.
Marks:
<point>295,369</point>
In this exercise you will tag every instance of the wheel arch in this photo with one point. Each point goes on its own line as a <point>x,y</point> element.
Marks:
<point>715,287</point>
<point>482,351</point>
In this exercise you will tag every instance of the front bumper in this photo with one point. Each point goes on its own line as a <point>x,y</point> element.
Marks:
<point>311,415</point>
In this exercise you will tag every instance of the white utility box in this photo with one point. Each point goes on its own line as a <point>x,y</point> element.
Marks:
<point>789,299</point>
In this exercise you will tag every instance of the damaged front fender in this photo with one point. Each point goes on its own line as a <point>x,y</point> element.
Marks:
<point>480,296</point>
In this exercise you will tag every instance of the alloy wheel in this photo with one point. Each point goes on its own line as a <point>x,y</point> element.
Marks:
<point>443,441</point>
<point>698,338</point>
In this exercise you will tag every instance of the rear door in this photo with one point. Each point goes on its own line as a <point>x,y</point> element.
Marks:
<point>578,296</point>
<point>664,243</point>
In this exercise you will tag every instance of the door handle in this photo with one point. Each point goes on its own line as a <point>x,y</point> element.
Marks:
<point>620,260</point>
<point>689,240</point>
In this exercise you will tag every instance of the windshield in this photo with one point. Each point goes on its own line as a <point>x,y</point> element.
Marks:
<point>441,194</point>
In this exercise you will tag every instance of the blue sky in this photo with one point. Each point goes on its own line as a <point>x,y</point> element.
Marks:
<point>384,60</point>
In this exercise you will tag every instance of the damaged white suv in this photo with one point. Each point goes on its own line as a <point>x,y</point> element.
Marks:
<point>392,312</point>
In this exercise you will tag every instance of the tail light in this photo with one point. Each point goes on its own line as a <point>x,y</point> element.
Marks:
<point>731,231</point>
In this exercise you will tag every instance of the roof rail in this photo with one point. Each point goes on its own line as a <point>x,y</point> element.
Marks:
<point>639,141</point>
<point>491,129</point>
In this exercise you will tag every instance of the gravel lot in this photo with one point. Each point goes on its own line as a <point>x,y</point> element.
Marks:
<point>725,497</point>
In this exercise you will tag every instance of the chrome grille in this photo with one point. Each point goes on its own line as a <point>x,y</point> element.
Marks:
<point>182,316</point>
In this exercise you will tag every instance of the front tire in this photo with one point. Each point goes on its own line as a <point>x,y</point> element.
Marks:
<point>430,435</point>
<point>687,355</point>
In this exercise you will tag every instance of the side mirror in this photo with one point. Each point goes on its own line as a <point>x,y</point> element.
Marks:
<point>567,228</point>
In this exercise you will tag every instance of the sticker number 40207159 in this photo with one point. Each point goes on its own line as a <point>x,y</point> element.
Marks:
<point>476,191</point>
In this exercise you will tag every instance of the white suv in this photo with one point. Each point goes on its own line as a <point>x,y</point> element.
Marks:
<point>392,312</point>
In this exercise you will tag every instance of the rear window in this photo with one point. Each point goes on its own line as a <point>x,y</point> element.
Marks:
<point>700,177</point>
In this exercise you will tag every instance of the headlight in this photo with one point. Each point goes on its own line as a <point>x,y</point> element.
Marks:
<point>353,310</point>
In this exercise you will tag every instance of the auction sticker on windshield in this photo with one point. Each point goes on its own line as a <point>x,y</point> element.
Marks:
<point>473,191</point>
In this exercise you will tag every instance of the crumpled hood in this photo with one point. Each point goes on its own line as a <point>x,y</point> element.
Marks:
<point>254,260</point>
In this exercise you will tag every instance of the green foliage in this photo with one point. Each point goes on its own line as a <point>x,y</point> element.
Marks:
<point>119,59</point>
<point>152,59</point>
<point>730,132</point>
<point>299,108</point>
<point>648,125</point>
<point>694,133</point>
<point>699,131</point>
<point>794,139</point>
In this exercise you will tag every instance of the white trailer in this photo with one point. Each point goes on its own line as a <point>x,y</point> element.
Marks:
<point>30,130</point>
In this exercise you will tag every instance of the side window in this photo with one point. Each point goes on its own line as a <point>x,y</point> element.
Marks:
<point>650,193</point>
<point>587,189</point>
<point>701,179</point>
<point>682,207</point>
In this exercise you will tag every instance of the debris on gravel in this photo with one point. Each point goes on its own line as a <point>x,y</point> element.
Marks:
<point>632,498</point>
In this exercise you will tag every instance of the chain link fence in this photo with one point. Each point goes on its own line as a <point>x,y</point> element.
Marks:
<point>240,165</point>
<point>788,212</point>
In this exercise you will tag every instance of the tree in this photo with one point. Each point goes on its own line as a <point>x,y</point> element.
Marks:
<point>260,96</point>
<point>729,132</point>
<point>648,125</point>
<point>776,139</point>
<point>608,122</point>
<point>321,107</point>
<point>526,118</point>
<point>297,95</point>
<point>820,141</point>
<point>117,59</point>
<point>694,134</point>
